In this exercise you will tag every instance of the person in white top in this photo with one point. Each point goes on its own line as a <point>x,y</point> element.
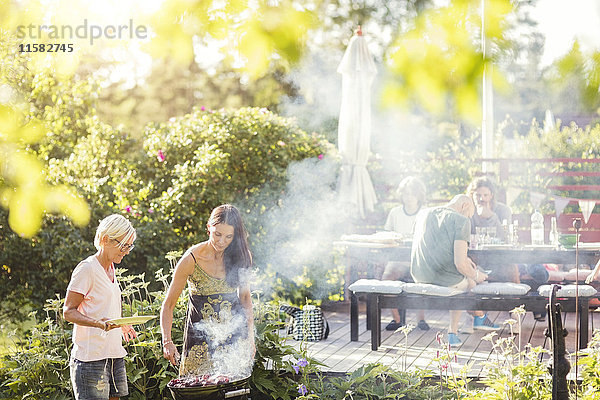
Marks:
<point>93,298</point>
<point>401,219</point>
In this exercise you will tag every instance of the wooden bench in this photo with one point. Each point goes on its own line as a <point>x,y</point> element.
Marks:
<point>467,301</point>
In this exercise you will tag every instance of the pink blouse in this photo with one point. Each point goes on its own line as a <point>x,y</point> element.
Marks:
<point>101,299</point>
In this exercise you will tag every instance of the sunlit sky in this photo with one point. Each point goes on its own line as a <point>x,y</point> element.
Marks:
<point>559,20</point>
<point>563,20</point>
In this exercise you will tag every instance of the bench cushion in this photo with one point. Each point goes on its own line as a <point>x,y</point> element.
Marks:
<point>431,290</point>
<point>568,290</point>
<point>376,286</point>
<point>502,288</point>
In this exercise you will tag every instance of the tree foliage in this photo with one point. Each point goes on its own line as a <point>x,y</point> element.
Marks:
<point>576,77</point>
<point>527,94</point>
<point>259,31</point>
<point>172,89</point>
<point>439,64</point>
<point>23,189</point>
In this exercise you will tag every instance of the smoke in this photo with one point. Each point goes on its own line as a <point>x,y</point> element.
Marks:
<point>297,235</point>
<point>229,358</point>
<point>398,139</point>
<point>397,134</point>
<point>301,229</point>
<point>317,105</point>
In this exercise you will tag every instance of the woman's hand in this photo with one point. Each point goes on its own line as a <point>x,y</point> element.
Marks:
<point>105,325</point>
<point>128,332</point>
<point>170,352</point>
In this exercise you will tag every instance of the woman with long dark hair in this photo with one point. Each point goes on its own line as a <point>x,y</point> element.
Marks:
<point>219,329</point>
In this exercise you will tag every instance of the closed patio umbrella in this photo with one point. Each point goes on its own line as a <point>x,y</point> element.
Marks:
<point>354,129</point>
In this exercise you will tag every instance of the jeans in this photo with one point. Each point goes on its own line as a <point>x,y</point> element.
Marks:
<point>98,380</point>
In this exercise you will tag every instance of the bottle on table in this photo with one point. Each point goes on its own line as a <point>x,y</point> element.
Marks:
<point>515,233</point>
<point>537,228</point>
<point>505,232</point>
<point>553,235</point>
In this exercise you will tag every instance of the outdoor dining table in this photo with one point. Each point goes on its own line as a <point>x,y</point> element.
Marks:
<point>372,256</point>
<point>533,255</point>
<point>366,259</point>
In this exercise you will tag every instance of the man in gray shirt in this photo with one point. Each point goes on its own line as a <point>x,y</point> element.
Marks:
<point>491,213</point>
<point>439,255</point>
<point>488,211</point>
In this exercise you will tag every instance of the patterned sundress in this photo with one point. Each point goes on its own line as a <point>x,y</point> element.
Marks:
<point>216,329</point>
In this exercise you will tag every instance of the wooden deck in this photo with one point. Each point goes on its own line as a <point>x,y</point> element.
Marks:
<point>339,354</point>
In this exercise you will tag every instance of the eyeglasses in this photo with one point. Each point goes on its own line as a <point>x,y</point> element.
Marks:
<point>124,247</point>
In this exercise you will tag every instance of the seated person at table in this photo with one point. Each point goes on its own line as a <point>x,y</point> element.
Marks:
<point>439,256</point>
<point>401,219</point>
<point>490,213</point>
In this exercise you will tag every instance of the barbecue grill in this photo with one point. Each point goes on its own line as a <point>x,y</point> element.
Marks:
<point>236,390</point>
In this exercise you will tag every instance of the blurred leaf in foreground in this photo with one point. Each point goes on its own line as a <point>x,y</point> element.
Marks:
<point>23,190</point>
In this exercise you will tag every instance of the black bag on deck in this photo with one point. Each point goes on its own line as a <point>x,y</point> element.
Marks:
<point>309,323</point>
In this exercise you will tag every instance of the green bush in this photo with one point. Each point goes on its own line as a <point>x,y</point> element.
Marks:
<point>213,157</point>
<point>589,368</point>
<point>210,157</point>
<point>38,367</point>
<point>93,167</point>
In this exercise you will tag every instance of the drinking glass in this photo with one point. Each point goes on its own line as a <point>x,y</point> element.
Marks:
<point>480,235</point>
<point>492,234</point>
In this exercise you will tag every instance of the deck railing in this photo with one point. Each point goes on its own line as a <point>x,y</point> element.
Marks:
<point>569,167</point>
<point>572,178</point>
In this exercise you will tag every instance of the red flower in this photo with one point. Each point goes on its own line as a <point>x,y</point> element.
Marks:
<point>160,156</point>
<point>438,337</point>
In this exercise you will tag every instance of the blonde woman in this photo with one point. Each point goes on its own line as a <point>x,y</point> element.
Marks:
<point>93,298</point>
